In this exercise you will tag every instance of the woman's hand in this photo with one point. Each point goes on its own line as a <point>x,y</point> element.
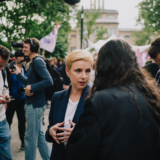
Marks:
<point>63,137</point>
<point>53,130</point>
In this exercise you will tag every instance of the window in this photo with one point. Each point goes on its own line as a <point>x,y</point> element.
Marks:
<point>73,48</point>
<point>111,17</point>
<point>73,35</point>
<point>127,36</point>
<point>110,31</point>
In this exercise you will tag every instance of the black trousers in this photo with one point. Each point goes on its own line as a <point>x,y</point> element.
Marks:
<point>18,106</point>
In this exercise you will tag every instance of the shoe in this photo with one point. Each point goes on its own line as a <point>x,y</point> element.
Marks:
<point>22,147</point>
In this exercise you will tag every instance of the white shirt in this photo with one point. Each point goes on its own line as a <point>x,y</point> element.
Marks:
<point>70,112</point>
<point>3,91</point>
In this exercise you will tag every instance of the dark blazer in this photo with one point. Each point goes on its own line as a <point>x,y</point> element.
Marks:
<point>57,114</point>
<point>112,128</point>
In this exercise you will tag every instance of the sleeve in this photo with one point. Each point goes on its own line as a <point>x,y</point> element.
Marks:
<point>22,78</point>
<point>5,89</point>
<point>41,70</point>
<point>47,135</point>
<point>85,138</point>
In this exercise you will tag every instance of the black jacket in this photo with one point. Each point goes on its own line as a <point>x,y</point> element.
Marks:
<point>111,128</point>
<point>57,114</point>
<point>63,74</point>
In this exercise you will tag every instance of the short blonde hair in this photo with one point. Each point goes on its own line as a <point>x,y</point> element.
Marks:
<point>78,55</point>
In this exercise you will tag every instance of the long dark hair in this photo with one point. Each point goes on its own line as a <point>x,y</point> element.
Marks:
<point>117,65</point>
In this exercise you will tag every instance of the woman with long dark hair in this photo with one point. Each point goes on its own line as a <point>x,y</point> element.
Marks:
<point>121,119</point>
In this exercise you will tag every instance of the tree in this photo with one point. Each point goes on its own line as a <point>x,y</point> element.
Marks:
<point>34,18</point>
<point>90,17</point>
<point>149,13</point>
<point>100,32</point>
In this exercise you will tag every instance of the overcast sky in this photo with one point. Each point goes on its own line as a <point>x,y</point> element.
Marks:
<point>126,8</point>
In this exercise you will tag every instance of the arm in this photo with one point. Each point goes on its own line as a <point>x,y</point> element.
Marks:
<point>41,70</point>
<point>86,137</point>
<point>22,78</point>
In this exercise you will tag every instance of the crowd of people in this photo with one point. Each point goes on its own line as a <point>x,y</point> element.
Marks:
<point>103,106</point>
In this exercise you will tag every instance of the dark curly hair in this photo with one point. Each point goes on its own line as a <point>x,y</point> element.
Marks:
<point>117,65</point>
<point>154,49</point>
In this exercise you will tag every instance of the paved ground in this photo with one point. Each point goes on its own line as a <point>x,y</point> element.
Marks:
<point>15,142</point>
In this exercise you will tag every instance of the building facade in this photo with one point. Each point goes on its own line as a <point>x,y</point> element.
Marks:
<point>107,19</point>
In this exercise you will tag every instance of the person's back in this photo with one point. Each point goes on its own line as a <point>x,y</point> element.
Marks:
<point>123,127</point>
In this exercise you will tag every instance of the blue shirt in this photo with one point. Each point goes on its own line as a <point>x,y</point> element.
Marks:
<point>17,84</point>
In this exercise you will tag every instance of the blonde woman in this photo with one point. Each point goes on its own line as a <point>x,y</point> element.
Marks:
<point>68,105</point>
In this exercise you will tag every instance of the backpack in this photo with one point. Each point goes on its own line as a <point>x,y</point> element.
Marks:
<point>55,78</point>
<point>4,75</point>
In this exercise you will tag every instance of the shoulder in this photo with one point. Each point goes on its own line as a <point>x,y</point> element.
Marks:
<point>59,95</point>
<point>116,95</point>
<point>38,60</point>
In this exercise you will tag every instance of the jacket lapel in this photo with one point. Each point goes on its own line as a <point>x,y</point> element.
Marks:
<point>81,104</point>
<point>62,106</point>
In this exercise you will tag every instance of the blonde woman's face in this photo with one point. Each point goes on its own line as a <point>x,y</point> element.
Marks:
<point>51,62</point>
<point>79,73</point>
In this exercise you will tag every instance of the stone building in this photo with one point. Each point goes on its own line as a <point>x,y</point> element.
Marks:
<point>108,19</point>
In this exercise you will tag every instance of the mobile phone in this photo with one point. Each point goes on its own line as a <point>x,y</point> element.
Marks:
<point>7,98</point>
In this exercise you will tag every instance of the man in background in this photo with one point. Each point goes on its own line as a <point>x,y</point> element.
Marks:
<point>38,80</point>
<point>154,53</point>
<point>5,134</point>
<point>17,92</point>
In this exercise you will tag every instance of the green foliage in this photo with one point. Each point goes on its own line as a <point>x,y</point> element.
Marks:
<point>35,18</point>
<point>100,32</point>
<point>149,18</point>
<point>90,17</point>
<point>141,38</point>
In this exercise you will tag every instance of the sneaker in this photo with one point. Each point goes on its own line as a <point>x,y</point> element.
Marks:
<point>22,147</point>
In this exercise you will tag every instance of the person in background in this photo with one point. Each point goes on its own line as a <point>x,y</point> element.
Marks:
<point>17,91</point>
<point>121,119</point>
<point>35,100</point>
<point>5,134</point>
<point>151,67</point>
<point>68,105</point>
<point>65,79</point>
<point>52,62</point>
<point>154,53</point>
